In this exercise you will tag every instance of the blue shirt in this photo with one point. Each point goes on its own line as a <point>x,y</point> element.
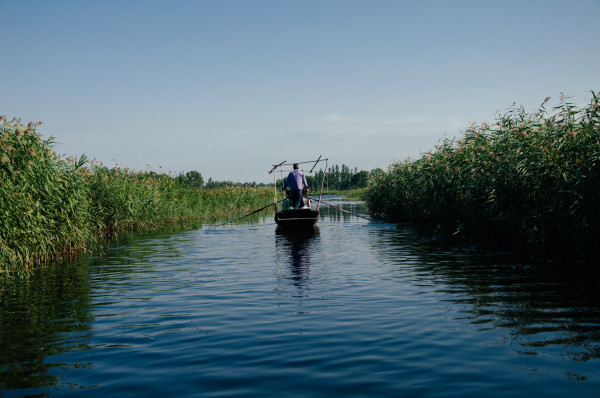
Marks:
<point>296,180</point>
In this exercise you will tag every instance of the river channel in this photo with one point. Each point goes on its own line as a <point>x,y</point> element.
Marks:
<point>353,309</point>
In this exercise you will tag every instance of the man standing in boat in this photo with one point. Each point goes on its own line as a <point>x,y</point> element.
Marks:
<point>297,182</point>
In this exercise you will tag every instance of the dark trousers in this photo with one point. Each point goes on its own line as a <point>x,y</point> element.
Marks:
<point>296,197</point>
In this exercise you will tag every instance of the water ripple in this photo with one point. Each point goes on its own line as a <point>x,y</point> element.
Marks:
<point>352,308</point>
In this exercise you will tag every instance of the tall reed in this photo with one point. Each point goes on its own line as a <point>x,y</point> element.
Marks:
<point>122,199</point>
<point>43,204</point>
<point>531,180</point>
<point>52,207</point>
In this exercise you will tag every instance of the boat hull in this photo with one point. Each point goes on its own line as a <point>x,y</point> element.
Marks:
<point>297,218</point>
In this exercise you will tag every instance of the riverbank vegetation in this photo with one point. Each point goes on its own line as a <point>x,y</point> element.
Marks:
<point>530,181</point>
<point>350,193</point>
<point>52,207</point>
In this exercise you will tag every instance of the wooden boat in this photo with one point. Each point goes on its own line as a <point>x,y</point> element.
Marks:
<point>297,218</point>
<point>302,218</point>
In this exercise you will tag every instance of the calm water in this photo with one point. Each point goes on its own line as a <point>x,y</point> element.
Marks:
<point>352,309</point>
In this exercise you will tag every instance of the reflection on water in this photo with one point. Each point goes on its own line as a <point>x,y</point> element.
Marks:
<point>331,214</point>
<point>293,251</point>
<point>350,308</point>
<point>40,316</point>
<point>538,308</point>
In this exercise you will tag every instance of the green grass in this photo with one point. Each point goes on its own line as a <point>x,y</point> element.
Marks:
<point>52,207</point>
<point>529,180</point>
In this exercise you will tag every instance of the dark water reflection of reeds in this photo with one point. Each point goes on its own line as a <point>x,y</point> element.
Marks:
<point>45,314</point>
<point>537,307</point>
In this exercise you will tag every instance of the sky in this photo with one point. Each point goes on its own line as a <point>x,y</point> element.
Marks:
<point>231,87</point>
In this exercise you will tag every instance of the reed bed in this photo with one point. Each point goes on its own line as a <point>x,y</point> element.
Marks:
<point>52,207</point>
<point>530,181</point>
<point>122,199</point>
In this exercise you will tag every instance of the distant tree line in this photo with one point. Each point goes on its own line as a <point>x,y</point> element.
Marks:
<point>211,184</point>
<point>191,179</point>
<point>194,179</point>
<point>337,178</point>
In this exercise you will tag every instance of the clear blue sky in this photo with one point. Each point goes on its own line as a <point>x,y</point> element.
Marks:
<point>229,88</point>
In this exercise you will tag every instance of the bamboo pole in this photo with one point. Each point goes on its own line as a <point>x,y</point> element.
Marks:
<point>275,190</point>
<point>246,215</point>
<point>322,182</point>
<point>315,165</point>
<point>349,212</point>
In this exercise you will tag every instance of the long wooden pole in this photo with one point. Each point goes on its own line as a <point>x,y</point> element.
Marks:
<point>246,215</point>
<point>322,182</point>
<point>349,212</point>
<point>275,190</point>
<point>276,166</point>
<point>315,165</point>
